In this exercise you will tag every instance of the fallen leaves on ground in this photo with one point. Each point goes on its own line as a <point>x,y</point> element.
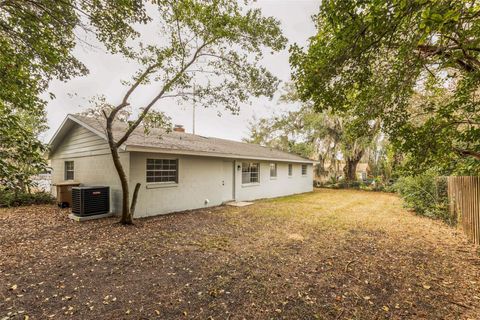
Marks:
<point>331,254</point>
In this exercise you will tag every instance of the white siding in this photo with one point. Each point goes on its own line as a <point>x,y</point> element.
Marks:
<point>80,142</point>
<point>92,163</point>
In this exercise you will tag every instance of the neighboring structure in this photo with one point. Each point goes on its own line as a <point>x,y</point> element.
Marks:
<point>336,171</point>
<point>177,170</point>
<point>362,171</point>
<point>42,182</point>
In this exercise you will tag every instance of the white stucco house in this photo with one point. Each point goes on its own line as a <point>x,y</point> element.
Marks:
<point>177,170</point>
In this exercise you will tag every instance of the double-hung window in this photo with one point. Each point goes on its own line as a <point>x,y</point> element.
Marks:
<point>250,172</point>
<point>304,169</point>
<point>273,170</point>
<point>69,170</point>
<point>162,170</point>
<point>290,169</point>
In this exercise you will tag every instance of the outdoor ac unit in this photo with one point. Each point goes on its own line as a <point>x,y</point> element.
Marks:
<point>87,201</point>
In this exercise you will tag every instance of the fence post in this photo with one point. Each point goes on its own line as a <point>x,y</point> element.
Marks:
<point>464,202</point>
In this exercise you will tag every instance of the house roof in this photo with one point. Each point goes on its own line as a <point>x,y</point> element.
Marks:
<point>158,140</point>
<point>362,167</point>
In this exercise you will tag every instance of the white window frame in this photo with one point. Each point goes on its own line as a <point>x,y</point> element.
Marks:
<point>290,170</point>
<point>275,169</point>
<point>159,162</point>
<point>68,170</point>
<point>304,166</point>
<point>250,173</point>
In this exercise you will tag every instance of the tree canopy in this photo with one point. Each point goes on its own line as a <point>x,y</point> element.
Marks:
<point>37,38</point>
<point>415,65</point>
<point>329,138</point>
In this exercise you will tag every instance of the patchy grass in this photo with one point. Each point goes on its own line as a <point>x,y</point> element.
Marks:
<point>331,254</point>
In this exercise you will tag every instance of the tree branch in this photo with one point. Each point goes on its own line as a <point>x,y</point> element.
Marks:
<point>430,50</point>
<point>165,88</point>
<point>221,58</point>
<point>130,91</point>
<point>467,153</point>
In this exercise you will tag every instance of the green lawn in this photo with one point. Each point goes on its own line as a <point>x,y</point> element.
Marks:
<point>331,254</point>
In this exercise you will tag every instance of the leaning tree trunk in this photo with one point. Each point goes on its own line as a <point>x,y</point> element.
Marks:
<point>127,217</point>
<point>127,211</point>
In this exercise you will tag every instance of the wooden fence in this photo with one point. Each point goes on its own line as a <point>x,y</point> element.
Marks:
<point>464,199</point>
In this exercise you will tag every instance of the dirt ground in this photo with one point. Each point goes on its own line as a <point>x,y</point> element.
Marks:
<point>324,255</point>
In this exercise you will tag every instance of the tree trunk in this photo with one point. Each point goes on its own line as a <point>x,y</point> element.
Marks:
<point>321,167</point>
<point>134,198</point>
<point>350,169</point>
<point>126,213</point>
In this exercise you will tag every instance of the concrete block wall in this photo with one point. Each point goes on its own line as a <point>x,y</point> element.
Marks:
<point>199,184</point>
<point>95,170</point>
<point>269,187</point>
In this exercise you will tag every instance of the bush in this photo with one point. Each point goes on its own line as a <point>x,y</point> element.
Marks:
<point>426,195</point>
<point>9,198</point>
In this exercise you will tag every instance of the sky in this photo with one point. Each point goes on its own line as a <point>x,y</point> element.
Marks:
<point>107,71</point>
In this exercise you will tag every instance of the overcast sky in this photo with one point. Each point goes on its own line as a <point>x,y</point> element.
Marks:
<point>106,72</point>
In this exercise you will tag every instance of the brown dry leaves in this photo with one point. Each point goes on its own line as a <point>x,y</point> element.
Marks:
<point>327,255</point>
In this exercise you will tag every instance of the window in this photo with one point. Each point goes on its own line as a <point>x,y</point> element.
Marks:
<point>290,169</point>
<point>69,170</point>
<point>162,170</point>
<point>304,169</point>
<point>273,170</point>
<point>250,172</point>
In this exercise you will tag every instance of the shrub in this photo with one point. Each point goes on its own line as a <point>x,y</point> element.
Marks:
<point>9,198</point>
<point>426,195</point>
<point>375,184</point>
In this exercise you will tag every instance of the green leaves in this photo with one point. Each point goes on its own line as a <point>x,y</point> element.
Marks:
<point>216,46</point>
<point>37,39</point>
<point>374,58</point>
<point>21,153</point>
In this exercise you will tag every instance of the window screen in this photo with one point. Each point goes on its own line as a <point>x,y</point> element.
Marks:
<point>290,169</point>
<point>162,170</point>
<point>273,170</point>
<point>250,172</point>
<point>304,169</point>
<point>69,170</point>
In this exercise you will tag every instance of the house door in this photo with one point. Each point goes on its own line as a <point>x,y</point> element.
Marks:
<point>228,181</point>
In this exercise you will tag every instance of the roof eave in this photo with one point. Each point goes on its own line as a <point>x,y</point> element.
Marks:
<point>135,148</point>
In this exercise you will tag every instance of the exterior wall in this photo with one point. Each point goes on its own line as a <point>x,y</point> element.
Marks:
<point>268,187</point>
<point>201,179</point>
<point>93,163</point>
<point>81,142</point>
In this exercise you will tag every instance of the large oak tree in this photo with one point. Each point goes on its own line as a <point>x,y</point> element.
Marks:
<point>329,138</point>
<point>387,54</point>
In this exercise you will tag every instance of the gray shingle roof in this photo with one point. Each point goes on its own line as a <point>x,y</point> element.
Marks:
<point>187,143</point>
